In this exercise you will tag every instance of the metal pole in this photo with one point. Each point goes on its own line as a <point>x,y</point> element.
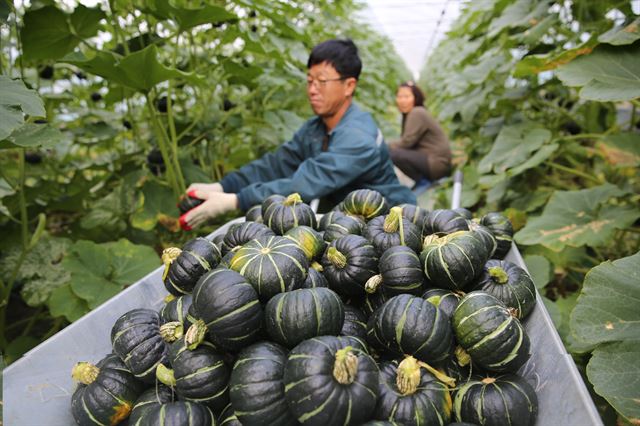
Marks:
<point>457,189</point>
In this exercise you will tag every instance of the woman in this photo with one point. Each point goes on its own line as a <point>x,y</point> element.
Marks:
<point>423,150</point>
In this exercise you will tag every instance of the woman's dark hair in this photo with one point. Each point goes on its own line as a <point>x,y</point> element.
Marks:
<point>418,97</point>
<point>340,54</point>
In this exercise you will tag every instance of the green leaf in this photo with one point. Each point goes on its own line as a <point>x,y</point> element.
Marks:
<point>18,347</point>
<point>156,200</point>
<point>31,135</point>
<point>625,34</point>
<point>65,303</point>
<point>540,270</point>
<point>17,100</point>
<point>622,149</point>
<point>130,262</point>
<point>577,218</point>
<point>608,74</point>
<point>607,309</point>
<point>518,14</point>
<point>513,147</point>
<point>49,33</point>
<point>534,64</point>
<point>615,374</point>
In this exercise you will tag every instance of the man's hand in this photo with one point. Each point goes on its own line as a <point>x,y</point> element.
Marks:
<point>215,204</point>
<point>204,187</point>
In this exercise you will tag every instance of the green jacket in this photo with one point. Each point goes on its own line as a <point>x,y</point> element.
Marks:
<point>356,158</point>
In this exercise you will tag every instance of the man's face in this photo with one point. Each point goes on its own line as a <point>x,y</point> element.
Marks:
<point>326,90</point>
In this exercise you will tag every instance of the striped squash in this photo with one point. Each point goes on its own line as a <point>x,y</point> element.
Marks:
<point>228,308</point>
<point>355,323</point>
<point>298,315</point>
<point>502,400</point>
<point>183,413</point>
<point>348,263</point>
<point>502,229</point>
<point>446,300</point>
<point>400,272</point>
<point>328,218</point>
<point>153,397</point>
<point>331,381</point>
<point>366,203</point>
<point>184,267</point>
<point>106,392</point>
<point>177,310</point>
<point>412,396</point>
<point>228,417</point>
<point>136,339</point>
<point>453,261</point>
<point>509,283</point>
<point>315,278</point>
<point>256,387</point>
<point>254,214</point>
<point>443,222</point>
<point>345,225</point>
<point>410,325</point>
<point>281,214</point>
<point>486,330</point>
<point>416,215</point>
<point>241,233</point>
<point>309,240</point>
<point>485,235</point>
<point>392,230</point>
<point>272,265</point>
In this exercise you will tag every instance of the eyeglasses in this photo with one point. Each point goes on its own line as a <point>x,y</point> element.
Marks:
<point>320,83</point>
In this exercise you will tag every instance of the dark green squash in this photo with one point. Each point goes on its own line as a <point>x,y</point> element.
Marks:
<point>298,315</point>
<point>446,300</point>
<point>254,214</point>
<point>380,423</point>
<point>309,240</point>
<point>228,308</point>
<point>392,230</point>
<point>502,400</point>
<point>157,395</point>
<point>416,215</point>
<point>509,283</point>
<point>502,229</point>
<point>188,202</point>
<point>454,260</point>
<point>331,381</point>
<point>183,413</point>
<point>412,396</point>
<point>355,323</point>
<point>328,218</point>
<point>442,222</point>
<point>410,325</point>
<point>176,309</point>
<point>485,235</point>
<point>494,339</point>
<point>228,417</point>
<point>315,278</point>
<point>400,272</point>
<point>272,265</point>
<point>199,375</point>
<point>137,340</point>
<point>106,392</point>
<point>373,301</point>
<point>184,267</point>
<point>345,225</point>
<point>366,203</point>
<point>257,386</point>
<point>348,263</point>
<point>241,233</point>
<point>283,214</point>
<point>466,213</point>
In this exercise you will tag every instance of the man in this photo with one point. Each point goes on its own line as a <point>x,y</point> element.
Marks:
<point>332,154</point>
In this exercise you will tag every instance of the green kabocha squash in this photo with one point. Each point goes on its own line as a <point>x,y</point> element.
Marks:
<point>348,263</point>
<point>373,301</point>
<point>272,265</point>
<point>298,315</point>
<point>502,229</point>
<point>106,392</point>
<point>496,401</point>
<point>183,413</point>
<point>509,283</point>
<point>366,203</point>
<point>415,215</point>
<point>309,240</point>
<point>283,214</point>
<point>176,309</point>
<point>331,381</point>
<point>454,260</point>
<point>494,339</point>
<point>241,233</point>
<point>188,202</point>
<point>345,225</point>
<point>442,222</point>
<point>407,324</point>
<point>380,423</point>
<point>328,218</point>
<point>157,395</point>
<point>355,323</point>
<point>183,267</point>
<point>412,395</point>
<point>400,272</point>
<point>257,386</point>
<point>228,417</point>
<point>254,214</point>
<point>392,230</point>
<point>315,278</point>
<point>225,262</point>
<point>228,308</point>
<point>199,375</point>
<point>446,300</point>
<point>138,338</point>
<point>485,235</point>
<point>466,213</point>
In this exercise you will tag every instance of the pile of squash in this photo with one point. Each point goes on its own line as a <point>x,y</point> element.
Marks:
<point>370,315</point>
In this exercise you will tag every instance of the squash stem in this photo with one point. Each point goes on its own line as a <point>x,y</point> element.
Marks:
<point>373,283</point>
<point>408,376</point>
<point>195,334</point>
<point>498,275</point>
<point>338,259</point>
<point>292,199</point>
<point>165,375</point>
<point>449,381</point>
<point>171,331</point>
<point>168,256</point>
<point>462,357</point>
<point>318,267</point>
<point>85,372</point>
<point>393,219</point>
<point>345,367</point>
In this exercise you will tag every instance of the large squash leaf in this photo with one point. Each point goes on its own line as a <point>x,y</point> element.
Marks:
<point>608,74</point>
<point>15,101</point>
<point>65,303</point>
<point>577,218</point>
<point>621,35</point>
<point>155,200</point>
<point>31,135</point>
<point>534,64</point>
<point>187,17</point>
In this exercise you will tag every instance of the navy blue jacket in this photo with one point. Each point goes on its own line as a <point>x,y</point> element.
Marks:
<point>356,158</point>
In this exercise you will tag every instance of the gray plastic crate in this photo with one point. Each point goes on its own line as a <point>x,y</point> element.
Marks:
<point>37,388</point>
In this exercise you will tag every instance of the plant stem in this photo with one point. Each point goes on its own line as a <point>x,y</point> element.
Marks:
<point>31,321</point>
<point>162,144</point>
<point>632,121</point>
<point>57,325</point>
<point>574,172</point>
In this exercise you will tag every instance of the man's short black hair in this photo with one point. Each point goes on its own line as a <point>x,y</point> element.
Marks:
<point>341,54</point>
